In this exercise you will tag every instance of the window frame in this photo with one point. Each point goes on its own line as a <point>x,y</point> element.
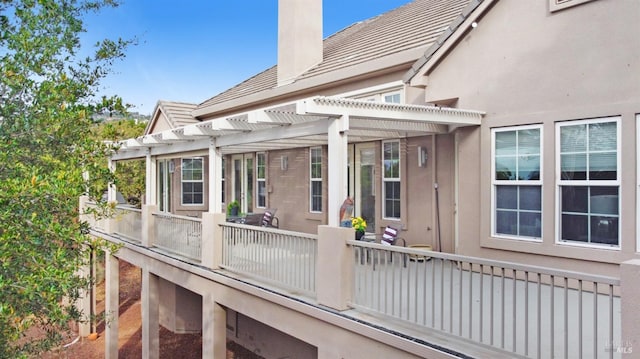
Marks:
<point>518,183</point>
<point>183,181</point>
<point>386,180</point>
<point>559,182</point>
<point>315,180</point>
<point>261,181</point>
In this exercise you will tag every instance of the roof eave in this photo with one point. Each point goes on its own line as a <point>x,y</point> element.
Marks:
<point>447,41</point>
<point>383,65</point>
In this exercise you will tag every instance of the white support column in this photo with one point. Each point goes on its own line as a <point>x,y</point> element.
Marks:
<point>150,315</point>
<point>333,279</point>
<point>150,179</point>
<point>214,321</point>
<point>337,163</point>
<point>112,303</point>
<point>215,178</point>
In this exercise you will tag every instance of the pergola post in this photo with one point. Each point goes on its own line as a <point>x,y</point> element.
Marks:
<point>215,178</point>
<point>150,179</point>
<point>337,164</point>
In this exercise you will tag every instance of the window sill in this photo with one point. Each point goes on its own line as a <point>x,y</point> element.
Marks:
<point>553,249</point>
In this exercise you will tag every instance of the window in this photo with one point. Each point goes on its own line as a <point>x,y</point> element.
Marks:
<point>391,97</point>
<point>391,179</point>
<point>555,5</point>
<point>222,174</point>
<point>261,179</point>
<point>517,182</point>
<point>192,181</point>
<point>315,177</point>
<point>588,181</point>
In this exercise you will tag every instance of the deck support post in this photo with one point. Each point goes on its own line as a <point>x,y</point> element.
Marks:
<point>112,304</point>
<point>150,315</point>
<point>335,259</point>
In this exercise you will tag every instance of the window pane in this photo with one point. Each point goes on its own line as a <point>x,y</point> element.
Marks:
<point>262,194</point>
<point>392,199</point>
<point>603,166</point>
<point>505,168</point>
<point>529,167</point>
<point>507,222</point>
<point>573,138</point>
<point>530,198</point>
<point>604,200</point>
<point>392,159</point>
<point>574,199</point>
<point>573,167</point>
<point>316,196</point>
<point>575,228</point>
<point>506,143</point>
<point>531,224</point>
<point>529,142</point>
<point>604,230</point>
<point>602,136</point>
<point>507,197</point>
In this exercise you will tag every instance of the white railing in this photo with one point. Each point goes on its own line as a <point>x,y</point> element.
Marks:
<point>128,222</point>
<point>96,219</point>
<point>178,234</point>
<point>282,258</point>
<point>531,311</point>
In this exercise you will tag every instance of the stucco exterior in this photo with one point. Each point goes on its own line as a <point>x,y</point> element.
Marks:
<point>523,64</point>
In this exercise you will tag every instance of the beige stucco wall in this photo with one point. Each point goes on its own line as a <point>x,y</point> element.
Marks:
<point>525,65</point>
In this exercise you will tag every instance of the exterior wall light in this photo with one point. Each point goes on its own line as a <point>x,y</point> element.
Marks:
<point>422,157</point>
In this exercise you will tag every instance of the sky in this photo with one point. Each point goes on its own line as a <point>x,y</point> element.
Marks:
<point>192,51</point>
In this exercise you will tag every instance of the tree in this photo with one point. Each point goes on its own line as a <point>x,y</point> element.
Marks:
<point>130,175</point>
<point>46,92</point>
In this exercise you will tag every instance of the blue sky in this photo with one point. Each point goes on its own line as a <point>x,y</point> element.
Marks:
<point>192,51</point>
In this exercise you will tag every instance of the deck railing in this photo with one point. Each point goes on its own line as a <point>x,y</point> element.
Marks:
<point>94,216</point>
<point>178,234</point>
<point>128,222</point>
<point>527,310</point>
<point>282,258</point>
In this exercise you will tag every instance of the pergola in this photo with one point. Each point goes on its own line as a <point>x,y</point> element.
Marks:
<point>314,121</point>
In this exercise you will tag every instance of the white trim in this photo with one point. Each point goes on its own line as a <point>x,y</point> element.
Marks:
<point>391,179</point>
<point>314,179</point>
<point>588,183</point>
<point>637,183</point>
<point>182,181</point>
<point>516,182</point>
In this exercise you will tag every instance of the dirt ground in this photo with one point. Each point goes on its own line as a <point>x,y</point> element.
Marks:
<point>130,330</point>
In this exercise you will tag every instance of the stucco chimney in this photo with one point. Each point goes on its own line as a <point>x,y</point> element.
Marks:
<point>299,37</point>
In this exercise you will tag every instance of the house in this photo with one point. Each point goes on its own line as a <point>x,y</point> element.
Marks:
<point>502,134</point>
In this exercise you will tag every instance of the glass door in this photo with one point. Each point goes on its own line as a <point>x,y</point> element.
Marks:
<point>242,181</point>
<point>165,170</point>
<point>365,184</point>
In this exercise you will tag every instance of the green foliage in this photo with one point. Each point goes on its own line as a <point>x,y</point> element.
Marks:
<point>45,147</point>
<point>129,176</point>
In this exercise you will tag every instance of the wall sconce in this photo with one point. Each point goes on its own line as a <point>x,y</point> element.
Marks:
<point>422,157</point>
<point>284,163</point>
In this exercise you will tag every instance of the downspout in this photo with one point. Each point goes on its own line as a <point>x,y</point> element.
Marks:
<point>436,203</point>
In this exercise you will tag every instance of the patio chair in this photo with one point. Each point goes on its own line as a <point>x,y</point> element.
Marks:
<point>390,238</point>
<point>269,218</point>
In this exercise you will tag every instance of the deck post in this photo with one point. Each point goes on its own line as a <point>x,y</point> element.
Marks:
<point>338,161</point>
<point>214,330</point>
<point>148,232</point>
<point>150,315</point>
<point>335,261</point>
<point>212,239</point>
<point>629,307</point>
<point>112,304</point>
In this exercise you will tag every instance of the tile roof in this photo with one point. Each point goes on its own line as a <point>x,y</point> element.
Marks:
<point>178,113</point>
<point>416,25</point>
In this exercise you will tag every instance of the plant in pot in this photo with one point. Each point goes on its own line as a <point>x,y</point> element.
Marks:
<point>233,208</point>
<point>360,225</point>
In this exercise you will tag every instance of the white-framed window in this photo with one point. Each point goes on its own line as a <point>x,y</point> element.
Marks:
<point>261,179</point>
<point>392,97</point>
<point>315,179</point>
<point>555,5</point>
<point>391,179</point>
<point>192,181</point>
<point>517,182</point>
<point>588,181</point>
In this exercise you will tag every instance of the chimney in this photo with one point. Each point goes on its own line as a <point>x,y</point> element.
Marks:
<point>299,38</point>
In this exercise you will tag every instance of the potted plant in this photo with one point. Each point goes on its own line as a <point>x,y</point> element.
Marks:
<point>233,208</point>
<point>360,225</point>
